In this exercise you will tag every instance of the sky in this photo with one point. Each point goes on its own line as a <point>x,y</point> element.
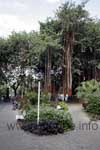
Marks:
<point>24,15</point>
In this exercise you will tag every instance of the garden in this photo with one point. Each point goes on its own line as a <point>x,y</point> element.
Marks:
<point>53,118</point>
<point>64,56</point>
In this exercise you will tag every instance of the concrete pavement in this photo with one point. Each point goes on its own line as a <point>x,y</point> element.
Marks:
<point>20,140</point>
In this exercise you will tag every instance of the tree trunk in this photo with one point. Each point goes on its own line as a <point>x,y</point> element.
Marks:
<point>7,94</point>
<point>49,70</point>
<point>68,64</point>
<point>45,76</point>
<point>64,75</point>
<point>15,92</point>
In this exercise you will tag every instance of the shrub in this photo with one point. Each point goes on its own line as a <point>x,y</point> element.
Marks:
<point>45,98</point>
<point>63,106</point>
<point>90,91</point>
<point>94,104</point>
<point>86,89</point>
<point>3,89</point>
<point>32,97</point>
<point>51,114</point>
<point>25,104</point>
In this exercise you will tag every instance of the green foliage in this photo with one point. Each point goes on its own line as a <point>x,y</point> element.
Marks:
<point>63,106</point>
<point>90,91</point>
<point>94,104</point>
<point>3,90</point>
<point>71,16</point>
<point>32,97</point>
<point>25,104</point>
<point>51,114</point>
<point>45,98</point>
<point>86,89</point>
<point>29,50</point>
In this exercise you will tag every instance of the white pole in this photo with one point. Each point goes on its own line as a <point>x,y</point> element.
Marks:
<point>38,110</point>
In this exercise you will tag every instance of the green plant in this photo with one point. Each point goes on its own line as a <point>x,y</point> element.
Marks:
<point>25,104</point>
<point>87,89</point>
<point>32,97</point>
<point>3,89</point>
<point>51,114</point>
<point>94,104</point>
<point>45,98</point>
<point>90,92</point>
<point>63,106</point>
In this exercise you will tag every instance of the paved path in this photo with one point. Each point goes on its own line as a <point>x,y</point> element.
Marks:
<point>19,140</point>
<point>78,114</point>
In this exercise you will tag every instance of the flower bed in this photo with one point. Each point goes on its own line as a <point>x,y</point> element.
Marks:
<point>52,121</point>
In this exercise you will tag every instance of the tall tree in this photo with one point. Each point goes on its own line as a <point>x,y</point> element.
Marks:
<point>48,33</point>
<point>71,17</point>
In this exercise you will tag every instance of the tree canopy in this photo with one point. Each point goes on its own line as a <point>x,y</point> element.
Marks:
<point>63,53</point>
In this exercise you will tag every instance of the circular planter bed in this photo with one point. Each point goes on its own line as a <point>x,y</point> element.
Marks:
<point>52,121</point>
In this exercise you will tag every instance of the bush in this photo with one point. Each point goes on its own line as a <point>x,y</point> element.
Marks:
<point>63,106</point>
<point>86,89</point>
<point>25,104</point>
<point>51,114</point>
<point>3,90</point>
<point>90,92</point>
<point>32,97</point>
<point>45,98</point>
<point>94,104</point>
